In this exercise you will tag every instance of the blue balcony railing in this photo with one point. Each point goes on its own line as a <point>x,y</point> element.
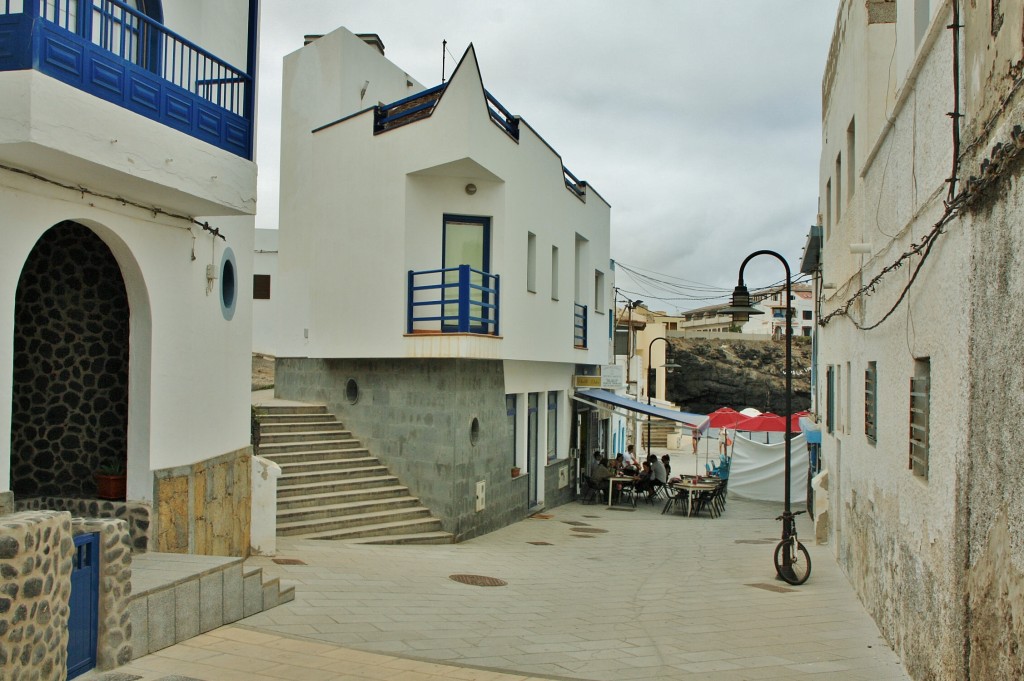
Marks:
<point>580,326</point>
<point>502,116</point>
<point>421,105</point>
<point>577,186</point>
<point>117,53</point>
<point>453,300</point>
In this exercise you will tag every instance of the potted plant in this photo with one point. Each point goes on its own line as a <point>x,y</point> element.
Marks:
<point>111,482</point>
<point>515,471</point>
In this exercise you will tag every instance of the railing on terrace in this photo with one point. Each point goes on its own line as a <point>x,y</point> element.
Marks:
<point>453,300</point>
<point>115,52</point>
<point>580,326</point>
<point>412,108</point>
<point>502,116</point>
<point>574,184</point>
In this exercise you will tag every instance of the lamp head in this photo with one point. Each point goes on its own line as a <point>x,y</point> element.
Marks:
<point>740,307</point>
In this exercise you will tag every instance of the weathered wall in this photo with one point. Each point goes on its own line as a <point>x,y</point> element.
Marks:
<point>70,401</point>
<point>554,495</point>
<point>135,513</point>
<point>206,507</point>
<point>36,550</point>
<point>415,416</point>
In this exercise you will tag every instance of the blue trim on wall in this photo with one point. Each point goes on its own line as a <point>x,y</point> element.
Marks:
<point>228,284</point>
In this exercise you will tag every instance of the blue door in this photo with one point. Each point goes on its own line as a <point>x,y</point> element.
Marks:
<point>82,621</point>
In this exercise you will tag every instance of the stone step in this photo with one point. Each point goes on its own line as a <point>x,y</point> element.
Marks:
<point>178,596</point>
<point>346,509</point>
<point>361,494</point>
<point>333,486</point>
<point>282,458</point>
<point>270,449</point>
<point>278,410</point>
<point>372,467</point>
<point>355,521</point>
<point>417,538</point>
<point>382,529</point>
<point>320,425</point>
<point>323,465</point>
<point>284,419</point>
<point>338,433</point>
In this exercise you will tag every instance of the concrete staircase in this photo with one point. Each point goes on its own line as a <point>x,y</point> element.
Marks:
<point>177,596</point>
<point>332,488</point>
<point>660,431</point>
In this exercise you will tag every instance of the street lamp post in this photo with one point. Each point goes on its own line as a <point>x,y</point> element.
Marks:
<point>741,310</point>
<point>651,374</point>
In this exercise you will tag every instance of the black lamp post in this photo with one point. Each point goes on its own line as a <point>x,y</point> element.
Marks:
<point>651,380</point>
<point>741,309</point>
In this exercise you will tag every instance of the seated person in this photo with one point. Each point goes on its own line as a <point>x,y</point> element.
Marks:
<point>659,471</point>
<point>668,468</point>
<point>619,463</point>
<point>601,471</point>
<point>645,482</point>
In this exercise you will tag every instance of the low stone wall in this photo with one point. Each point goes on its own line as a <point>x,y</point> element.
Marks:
<point>554,493</point>
<point>205,508</point>
<point>114,633</point>
<point>135,513</point>
<point>36,550</point>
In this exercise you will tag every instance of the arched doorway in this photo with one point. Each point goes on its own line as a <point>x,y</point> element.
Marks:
<point>69,413</point>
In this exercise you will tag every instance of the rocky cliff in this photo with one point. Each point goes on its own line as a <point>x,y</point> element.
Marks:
<point>730,373</point>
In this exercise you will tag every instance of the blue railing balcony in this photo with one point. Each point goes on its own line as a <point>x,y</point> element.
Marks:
<point>453,300</point>
<point>580,325</point>
<point>421,105</point>
<point>577,186</point>
<point>117,53</point>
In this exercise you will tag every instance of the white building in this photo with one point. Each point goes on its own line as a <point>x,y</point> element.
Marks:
<point>770,323</point>
<point>442,278</point>
<point>124,316</point>
<point>918,364</point>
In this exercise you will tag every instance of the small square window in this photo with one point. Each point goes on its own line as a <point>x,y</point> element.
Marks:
<point>261,287</point>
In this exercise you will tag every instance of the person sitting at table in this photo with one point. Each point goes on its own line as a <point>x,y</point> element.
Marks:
<point>619,463</point>
<point>668,467</point>
<point>601,471</point>
<point>645,481</point>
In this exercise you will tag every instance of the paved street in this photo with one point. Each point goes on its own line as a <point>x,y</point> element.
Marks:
<point>603,595</point>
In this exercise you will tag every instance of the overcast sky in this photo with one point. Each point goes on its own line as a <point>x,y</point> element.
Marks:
<point>698,121</point>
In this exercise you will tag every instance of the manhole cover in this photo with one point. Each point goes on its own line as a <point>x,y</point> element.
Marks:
<point>575,522</point>
<point>589,530</point>
<point>542,516</point>
<point>756,541</point>
<point>582,536</point>
<point>772,587</point>
<point>477,580</point>
<point>540,543</point>
<point>288,561</point>
<point>591,516</point>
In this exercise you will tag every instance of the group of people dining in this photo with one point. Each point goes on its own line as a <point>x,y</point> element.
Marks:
<point>648,474</point>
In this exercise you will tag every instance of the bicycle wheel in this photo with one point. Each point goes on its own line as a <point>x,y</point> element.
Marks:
<point>793,566</point>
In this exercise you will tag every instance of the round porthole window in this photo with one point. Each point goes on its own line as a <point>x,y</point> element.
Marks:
<point>352,391</point>
<point>228,284</point>
<point>474,431</point>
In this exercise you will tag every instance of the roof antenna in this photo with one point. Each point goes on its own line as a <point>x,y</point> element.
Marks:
<point>444,48</point>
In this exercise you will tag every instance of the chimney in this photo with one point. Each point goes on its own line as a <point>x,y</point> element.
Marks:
<point>373,40</point>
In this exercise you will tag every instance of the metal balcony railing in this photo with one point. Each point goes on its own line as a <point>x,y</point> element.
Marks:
<point>113,51</point>
<point>453,300</point>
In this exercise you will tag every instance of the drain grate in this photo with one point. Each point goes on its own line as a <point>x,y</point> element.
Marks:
<point>755,541</point>
<point>540,543</point>
<point>589,530</point>
<point>576,522</point>
<point>772,587</point>
<point>288,561</point>
<point>591,516</point>
<point>477,580</point>
<point>542,516</point>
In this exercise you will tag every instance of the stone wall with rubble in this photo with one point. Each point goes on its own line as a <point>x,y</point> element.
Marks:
<point>135,513</point>
<point>205,507</point>
<point>114,630</point>
<point>36,550</point>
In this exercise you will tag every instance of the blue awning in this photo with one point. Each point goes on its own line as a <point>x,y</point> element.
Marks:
<point>692,420</point>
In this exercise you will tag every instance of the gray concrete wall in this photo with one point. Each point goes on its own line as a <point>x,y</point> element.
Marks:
<point>553,494</point>
<point>416,416</point>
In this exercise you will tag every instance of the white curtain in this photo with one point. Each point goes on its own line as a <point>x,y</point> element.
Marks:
<point>758,470</point>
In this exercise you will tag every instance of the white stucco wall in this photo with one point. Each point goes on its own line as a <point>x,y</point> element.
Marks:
<point>363,210</point>
<point>264,315</point>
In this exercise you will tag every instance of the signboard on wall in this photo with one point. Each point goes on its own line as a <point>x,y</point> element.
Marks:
<point>587,381</point>
<point>613,376</point>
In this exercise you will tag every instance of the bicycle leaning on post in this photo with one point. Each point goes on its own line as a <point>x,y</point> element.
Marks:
<point>792,562</point>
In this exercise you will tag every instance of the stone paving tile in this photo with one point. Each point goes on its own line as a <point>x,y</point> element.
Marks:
<point>655,597</point>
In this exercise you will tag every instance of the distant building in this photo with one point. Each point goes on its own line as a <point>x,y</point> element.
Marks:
<point>264,281</point>
<point>771,322</point>
<point>442,278</point>
<point>919,370</point>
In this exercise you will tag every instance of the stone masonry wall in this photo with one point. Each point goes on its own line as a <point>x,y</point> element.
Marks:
<point>206,507</point>
<point>70,395</point>
<point>553,494</point>
<point>416,415</point>
<point>36,549</point>
<point>114,633</point>
<point>135,513</point>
